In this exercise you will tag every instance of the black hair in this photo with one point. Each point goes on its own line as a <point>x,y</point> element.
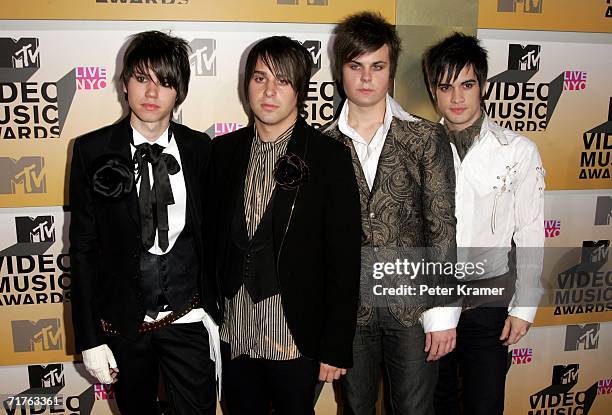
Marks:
<point>164,55</point>
<point>361,33</point>
<point>444,61</point>
<point>285,58</point>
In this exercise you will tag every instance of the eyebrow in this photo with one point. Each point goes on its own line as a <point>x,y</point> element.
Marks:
<point>464,82</point>
<point>373,63</point>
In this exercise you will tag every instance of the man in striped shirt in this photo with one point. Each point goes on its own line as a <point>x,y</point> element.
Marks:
<point>287,247</point>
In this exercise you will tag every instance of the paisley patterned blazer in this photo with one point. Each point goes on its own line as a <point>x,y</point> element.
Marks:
<point>408,214</point>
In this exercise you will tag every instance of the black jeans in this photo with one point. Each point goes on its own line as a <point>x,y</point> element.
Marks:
<point>254,386</point>
<point>385,344</point>
<point>181,352</point>
<point>482,361</point>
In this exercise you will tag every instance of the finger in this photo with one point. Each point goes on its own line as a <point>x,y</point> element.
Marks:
<point>433,351</point>
<point>343,372</point>
<point>111,359</point>
<point>427,342</point>
<point>330,376</point>
<point>337,374</point>
<point>506,331</point>
<point>103,376</point>
<point>322,373</point>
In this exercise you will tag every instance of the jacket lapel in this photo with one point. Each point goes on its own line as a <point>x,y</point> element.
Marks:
<point>188,161</point>
<point>388,160</point>
<point>119,143</point>
<point>283,199</point>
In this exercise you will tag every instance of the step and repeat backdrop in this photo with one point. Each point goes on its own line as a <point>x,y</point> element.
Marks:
<point>549,78</point>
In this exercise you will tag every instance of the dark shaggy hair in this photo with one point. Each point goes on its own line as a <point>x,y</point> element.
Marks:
<point>285,58</point>
<point>443,62</point>
<point>166,56</point>
<point>361,33</point>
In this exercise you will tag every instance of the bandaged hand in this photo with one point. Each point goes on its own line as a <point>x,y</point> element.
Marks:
<point>100,363</point>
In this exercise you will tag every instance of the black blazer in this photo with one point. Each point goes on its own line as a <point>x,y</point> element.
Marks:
<point>319,257</point>
<point>105,244</point>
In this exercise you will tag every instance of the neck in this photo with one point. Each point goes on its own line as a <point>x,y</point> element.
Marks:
<point>270,132</point>
<point>460,127</point>
<point>366,120</point>
<point>149,130</point>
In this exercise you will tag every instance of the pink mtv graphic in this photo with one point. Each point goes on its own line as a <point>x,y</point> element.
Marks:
<point>222,128</point>
<point>522,356</point>
<point>103,392</point>
<point>90,77</point>
<point>604,386</point>
<point>574,80</point>
<point>552,228</point>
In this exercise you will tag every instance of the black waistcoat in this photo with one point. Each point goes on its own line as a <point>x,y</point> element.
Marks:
<point>172,278</point>
<point>251,262</point>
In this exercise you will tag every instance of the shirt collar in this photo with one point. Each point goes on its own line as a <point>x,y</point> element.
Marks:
<point>392,109</point>
<point>162,140</point>
<point>280,140</point>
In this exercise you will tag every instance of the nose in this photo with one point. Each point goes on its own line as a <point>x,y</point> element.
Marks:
<point>152,89</point>
<point>457,96</point>
<point>270,88</point>
<point>366,74</point>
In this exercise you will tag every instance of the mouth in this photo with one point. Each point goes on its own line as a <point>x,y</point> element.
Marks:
<point>365,90</point>
<point>269,107</point>
<point>150,107</point>
<point>458,111</point>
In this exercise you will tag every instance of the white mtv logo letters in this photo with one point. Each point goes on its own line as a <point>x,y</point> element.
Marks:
<point>25,57</point>
<point>204,60</point>
<point>589,339</point>
<point>571,376</point>
<point>53,378</point>
<point>43,232</point>
<point>529,61</point>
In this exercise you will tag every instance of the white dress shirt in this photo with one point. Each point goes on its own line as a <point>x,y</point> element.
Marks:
<point>176,223</point>
<point>500,198</point>
<point>434,319</point>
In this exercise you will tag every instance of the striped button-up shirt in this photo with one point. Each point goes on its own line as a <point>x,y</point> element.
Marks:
<point>259,330</point>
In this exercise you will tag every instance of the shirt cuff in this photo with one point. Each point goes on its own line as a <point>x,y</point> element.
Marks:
<point>524,313</point>
<point>440,318</point>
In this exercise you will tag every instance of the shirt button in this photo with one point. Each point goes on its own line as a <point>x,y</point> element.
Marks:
<point>372,215</point>
<point>375,249</point>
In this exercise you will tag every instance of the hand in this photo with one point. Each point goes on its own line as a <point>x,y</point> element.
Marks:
<point>440,343</point>
<point>514,329</point>
<point>100,363</point>
<point>329,373</point>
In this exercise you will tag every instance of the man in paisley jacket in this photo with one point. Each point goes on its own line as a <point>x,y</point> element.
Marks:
<point>404,169</point>
<point>499,202</point>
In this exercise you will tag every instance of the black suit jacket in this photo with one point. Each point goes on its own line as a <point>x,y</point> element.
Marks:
<point>318,259</point>
<point>105,243</point>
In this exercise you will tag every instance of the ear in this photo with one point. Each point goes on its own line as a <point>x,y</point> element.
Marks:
<point>124,87</point>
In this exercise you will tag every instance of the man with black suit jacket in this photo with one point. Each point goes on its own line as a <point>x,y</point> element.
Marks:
<point>288,236</point>
<point>140,287</point>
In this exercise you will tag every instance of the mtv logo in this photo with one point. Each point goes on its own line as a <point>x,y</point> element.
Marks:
<point>46,376</point>
<point>595,251</point>
<point>19,53</point>
<point>34,230</point>
<point>565,374</point>
<point>586,335</point>
<point>42,335</point>
<point>523,58</point>
<point>23,176</point>
<point>314,48</point>
<point>203,58</point>
<point>529,6</point>
<point>603,211</point>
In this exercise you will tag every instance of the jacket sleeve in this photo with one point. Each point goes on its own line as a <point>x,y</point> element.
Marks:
<point>84,255</point>
<point>438,204</point>
<point>342,250</point>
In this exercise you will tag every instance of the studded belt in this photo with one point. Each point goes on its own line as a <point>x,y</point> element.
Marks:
<point>157,324</point>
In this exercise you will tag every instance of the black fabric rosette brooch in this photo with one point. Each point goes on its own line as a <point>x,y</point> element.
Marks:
<point>290,171</point>
<point>113,177</point>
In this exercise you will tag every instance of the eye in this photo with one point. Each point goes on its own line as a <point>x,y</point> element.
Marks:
<point>468,85</point>
<point>378,67</point>
<point>140,78</point>
<point>354,66</point>
<point>165,83</point>
<point>444,88</point>
<point>284,82</point>
<point>258,78</point>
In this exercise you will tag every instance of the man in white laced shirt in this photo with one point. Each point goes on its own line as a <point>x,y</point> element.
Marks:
<point>143,299</point>
<point>499,202</point>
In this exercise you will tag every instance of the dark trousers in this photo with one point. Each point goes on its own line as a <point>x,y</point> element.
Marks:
<point>182,354</point>
<point>385,344</point>
<point>481,360</point>
<point>255,386</point>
